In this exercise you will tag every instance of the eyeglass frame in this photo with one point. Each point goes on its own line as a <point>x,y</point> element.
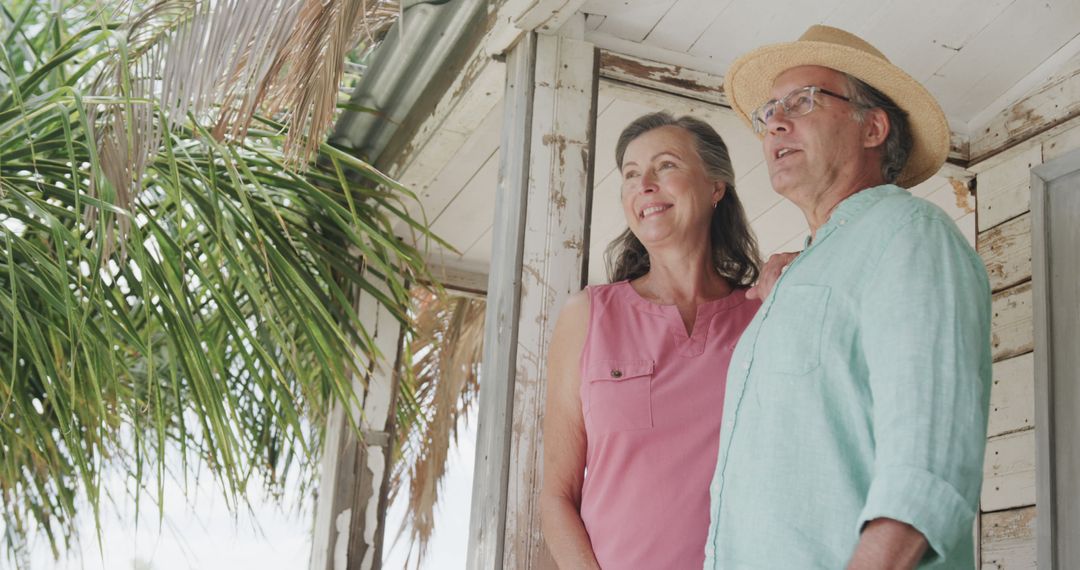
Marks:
<point>756,116</point>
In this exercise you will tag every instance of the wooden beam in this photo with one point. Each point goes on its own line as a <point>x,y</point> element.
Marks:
<point>488,512</point>
<point>350,511</point>
<point>666,77</point>
<point>553,265</point>
<point>1012,332</point>
<point>1054,102</point>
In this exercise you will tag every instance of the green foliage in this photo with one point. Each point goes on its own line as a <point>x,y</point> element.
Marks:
<point>209,315</point>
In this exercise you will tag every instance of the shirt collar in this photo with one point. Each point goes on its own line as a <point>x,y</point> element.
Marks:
<point>851,207</point>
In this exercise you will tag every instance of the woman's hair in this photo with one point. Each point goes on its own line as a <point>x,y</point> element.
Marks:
<point>734,249</point>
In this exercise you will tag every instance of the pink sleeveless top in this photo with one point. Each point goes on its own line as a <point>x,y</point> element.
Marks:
<point>652,398</point>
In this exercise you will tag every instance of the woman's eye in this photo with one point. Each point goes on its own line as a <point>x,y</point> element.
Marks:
<point>630,174</point>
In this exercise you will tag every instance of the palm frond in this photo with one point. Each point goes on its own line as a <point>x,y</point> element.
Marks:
<point>222,62</point>
<point>442,382</point>
<point>219,324</point>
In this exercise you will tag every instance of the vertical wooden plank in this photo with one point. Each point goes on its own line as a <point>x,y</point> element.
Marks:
<point>350,511</point>
<point>1008,540</point>
<point>553,262</point>
<point>1009,472</point>
<point>488,512</point>
<point>1006,250</point>
<point>1056,202</point>
<point>1011,331</point>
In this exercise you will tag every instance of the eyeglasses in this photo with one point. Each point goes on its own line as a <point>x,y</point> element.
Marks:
<point>795,104</point>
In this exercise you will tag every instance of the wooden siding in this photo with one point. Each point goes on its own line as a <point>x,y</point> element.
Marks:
<point>1008,540</point>
<point>1011,332</point>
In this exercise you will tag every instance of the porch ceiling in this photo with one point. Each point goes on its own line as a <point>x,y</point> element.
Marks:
<point>977,56</point>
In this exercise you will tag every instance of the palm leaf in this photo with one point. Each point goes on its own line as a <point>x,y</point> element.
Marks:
<point>219,323</point>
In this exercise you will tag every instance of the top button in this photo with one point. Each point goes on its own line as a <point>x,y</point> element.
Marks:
<point>616,373</point>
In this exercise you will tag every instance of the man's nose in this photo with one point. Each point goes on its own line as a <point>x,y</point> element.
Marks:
<point>778,122</point>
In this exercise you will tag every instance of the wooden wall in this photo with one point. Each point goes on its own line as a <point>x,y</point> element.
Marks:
<point>1003,221</point>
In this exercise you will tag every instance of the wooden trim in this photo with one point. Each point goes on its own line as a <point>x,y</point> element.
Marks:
<point>488,512</point>
<point>1044,410</point>
<point>564,110</point>
<point>1049,442</point>
<point>1053,103</point>
<point>666,77</point>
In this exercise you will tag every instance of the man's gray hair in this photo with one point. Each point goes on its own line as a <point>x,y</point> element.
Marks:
<point>898,143</point>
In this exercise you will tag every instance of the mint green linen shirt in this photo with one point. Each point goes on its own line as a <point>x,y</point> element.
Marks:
<point>859,391</point>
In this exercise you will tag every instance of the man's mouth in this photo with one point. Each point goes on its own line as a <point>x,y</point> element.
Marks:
<point>782,152</point>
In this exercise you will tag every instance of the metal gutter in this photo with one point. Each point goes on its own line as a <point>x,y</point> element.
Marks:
<point>408,73</point>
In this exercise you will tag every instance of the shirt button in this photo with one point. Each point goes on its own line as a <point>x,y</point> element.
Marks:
<point>616,373</point>
<point>842,222</point>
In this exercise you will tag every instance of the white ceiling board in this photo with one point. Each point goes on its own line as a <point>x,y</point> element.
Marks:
<point>922,36</point>
<point>480,251</point>
<point>478,149</point>
<point>971,54</point>
<point>1027,33</point>
<point>593,21</point>
<point>747,24</point>
<point>471,213</point>
<point>635,19</point>
<point>685,23</point>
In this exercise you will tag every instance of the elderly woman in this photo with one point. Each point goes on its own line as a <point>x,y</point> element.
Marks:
<point>637,367</point>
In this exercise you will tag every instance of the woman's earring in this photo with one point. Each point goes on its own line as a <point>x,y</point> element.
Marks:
<point>714,204</point>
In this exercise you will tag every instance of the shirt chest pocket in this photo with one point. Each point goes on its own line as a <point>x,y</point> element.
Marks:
<point>790,341</point>
<point>619,395</point>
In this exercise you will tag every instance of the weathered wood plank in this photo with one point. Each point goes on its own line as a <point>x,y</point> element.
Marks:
<point>1008,540</point>
<point>553,264</point>
<point>1004,191</point>
<point>666,77</point>
<point>1012,331</point>
<point>1062,142</point>
<point>1006,251</point>
<point>1012,398</point>
<point>1053,103</point>
<point>351,506</point>
<point>1009,471</point>
<point>488,510</point>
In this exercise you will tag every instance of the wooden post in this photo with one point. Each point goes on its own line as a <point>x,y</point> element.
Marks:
<point>541,241</point>
<point>351,508</point>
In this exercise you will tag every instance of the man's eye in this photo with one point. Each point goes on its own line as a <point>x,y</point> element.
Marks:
<point>667,164</point>
<point>801,102</point>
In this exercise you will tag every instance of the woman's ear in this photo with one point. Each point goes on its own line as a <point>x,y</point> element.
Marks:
<point>719,189</point>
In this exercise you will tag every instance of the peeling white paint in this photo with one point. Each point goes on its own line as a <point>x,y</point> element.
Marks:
<point>341,541</point>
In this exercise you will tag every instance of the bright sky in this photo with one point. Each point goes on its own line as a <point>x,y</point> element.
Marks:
<point>207,537</point>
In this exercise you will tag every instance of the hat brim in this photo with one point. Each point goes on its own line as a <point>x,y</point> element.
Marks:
<point>749,80</point>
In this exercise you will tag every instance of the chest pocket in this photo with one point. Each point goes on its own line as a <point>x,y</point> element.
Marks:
<point>620,395</point>
<point>790,341</point>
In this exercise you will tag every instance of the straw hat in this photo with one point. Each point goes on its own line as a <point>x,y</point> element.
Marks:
<point>749,81</point>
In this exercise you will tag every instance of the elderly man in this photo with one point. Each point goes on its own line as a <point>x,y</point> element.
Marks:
<point>855,417</point>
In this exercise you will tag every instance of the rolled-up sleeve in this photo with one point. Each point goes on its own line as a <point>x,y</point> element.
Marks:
<point>925,331</point>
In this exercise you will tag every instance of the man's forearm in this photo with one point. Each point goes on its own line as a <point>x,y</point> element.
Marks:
<point>887,544</point>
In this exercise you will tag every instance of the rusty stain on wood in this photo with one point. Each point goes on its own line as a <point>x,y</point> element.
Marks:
<point>1006,251</point>
<point>1008,539</point>
<point>963,195</point>
<point>663,77</point>
<point>1012,331</point>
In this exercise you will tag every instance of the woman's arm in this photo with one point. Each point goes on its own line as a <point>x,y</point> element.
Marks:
<point>564,441</point>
